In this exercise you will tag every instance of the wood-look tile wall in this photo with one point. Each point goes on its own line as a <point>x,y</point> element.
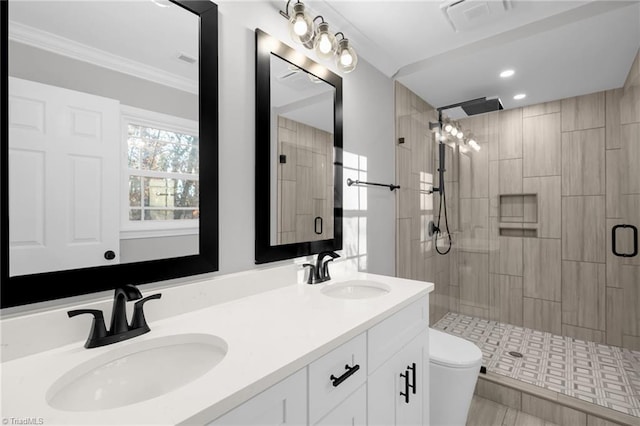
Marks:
<point>305,182</point>
<point>581,157</point>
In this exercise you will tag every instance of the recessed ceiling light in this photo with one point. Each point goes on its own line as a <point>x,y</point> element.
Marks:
<point>519,96</point>
<point>160,3</point>
<point>507,73</point>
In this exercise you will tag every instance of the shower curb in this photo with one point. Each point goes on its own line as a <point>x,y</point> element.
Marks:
<point>555,398</point>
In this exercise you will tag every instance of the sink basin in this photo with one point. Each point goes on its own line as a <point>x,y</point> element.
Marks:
<point>356,289</point>
<point>136,372</point>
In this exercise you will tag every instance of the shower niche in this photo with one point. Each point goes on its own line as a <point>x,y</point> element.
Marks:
<point>518,215</point>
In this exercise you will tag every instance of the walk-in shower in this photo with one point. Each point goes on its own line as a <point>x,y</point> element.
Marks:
<point>527,224</point>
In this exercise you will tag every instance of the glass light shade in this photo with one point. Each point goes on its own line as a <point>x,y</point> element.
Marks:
<point>324,42</point>
<point>448,128</point>
<point>454,131</point>
<point>300,25</point>
<point>346,58</point>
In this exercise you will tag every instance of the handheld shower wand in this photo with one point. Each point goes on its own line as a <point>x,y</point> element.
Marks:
<point>435,228</point>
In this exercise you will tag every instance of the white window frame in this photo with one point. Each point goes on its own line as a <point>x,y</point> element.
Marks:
<point>156,228</point>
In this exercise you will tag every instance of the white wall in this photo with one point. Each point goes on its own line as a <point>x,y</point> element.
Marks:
<point>368,131</point>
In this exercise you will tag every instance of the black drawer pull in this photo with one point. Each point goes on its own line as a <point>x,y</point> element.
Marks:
<point>614,243</point>
<point>350,370</point>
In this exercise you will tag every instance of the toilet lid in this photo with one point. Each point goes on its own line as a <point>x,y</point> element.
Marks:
<point>452,351</point>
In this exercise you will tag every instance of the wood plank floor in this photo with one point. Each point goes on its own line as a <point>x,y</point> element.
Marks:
<point>488,413</point>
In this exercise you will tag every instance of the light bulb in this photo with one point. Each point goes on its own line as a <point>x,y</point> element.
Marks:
<point>460,135</point>
<point>454,131</point>
<point>448,128</point>
<point>325,43</point>
<point>507,73</point>
<point>346,59</point>
<point>300,27</point>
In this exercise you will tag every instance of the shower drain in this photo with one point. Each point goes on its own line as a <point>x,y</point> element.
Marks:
<point>515,354</point>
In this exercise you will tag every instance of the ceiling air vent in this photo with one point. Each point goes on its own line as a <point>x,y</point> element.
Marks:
<point>469,14</point>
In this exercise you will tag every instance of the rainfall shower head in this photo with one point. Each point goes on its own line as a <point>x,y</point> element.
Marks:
<point>476,106</point>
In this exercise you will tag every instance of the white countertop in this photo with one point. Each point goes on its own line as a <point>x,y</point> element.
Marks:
<point>270,335</point>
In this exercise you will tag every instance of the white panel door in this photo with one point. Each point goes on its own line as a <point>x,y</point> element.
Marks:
<point>63,178</point>
<point>388,403</point>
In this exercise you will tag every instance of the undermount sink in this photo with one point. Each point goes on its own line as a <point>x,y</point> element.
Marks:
<point>136,372</point>
<point>356,289</point>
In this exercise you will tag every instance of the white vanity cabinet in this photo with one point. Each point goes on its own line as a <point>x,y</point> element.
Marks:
<point>379,377</point>
<point>398,382</point>
<point>397,391</point>
<point>285,403</point>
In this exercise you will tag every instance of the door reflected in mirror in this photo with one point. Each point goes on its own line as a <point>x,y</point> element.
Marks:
<point>302,155</point>
<point>103,133</point>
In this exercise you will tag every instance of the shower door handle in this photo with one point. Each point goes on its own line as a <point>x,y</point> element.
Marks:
<point>614,242</point>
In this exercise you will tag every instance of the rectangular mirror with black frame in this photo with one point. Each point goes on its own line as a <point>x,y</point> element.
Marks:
<point>298,154</point>
<point>109,145</point>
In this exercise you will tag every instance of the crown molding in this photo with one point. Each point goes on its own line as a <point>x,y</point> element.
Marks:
<point>66,47</point>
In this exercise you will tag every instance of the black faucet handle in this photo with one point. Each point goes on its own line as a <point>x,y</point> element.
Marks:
<point>98,327</point>
<point>313,273</point>
<point>139,321</point>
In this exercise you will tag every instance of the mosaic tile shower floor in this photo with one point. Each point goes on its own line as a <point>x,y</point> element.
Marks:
<point>604,375</point>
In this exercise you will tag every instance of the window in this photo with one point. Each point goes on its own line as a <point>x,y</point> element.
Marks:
<point>161,173</point>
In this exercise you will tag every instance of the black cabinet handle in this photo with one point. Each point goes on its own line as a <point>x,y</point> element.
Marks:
<point>614,243</point>
<point>350,370</point>
<point>409,385</point>
<point>412,367</point>
<point>405,376</point>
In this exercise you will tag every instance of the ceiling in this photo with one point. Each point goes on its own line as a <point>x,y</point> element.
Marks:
<point>557,49</point>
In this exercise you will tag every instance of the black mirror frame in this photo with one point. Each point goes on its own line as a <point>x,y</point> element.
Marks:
<point>26,289</point>
<point>267,45</point>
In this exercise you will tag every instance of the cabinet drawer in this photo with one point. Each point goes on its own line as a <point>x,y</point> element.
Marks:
<point>351,412</point>
<point>335,376</point>
<point>386,338</point>
<point>285,403</point>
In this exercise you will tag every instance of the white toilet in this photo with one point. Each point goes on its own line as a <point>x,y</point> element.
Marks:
<point>453,371</point>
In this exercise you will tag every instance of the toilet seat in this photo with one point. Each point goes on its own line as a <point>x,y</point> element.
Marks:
<point>452,351</point>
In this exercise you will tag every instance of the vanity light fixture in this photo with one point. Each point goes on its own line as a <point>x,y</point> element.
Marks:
<point>473,144</point>
<point>326,45</point>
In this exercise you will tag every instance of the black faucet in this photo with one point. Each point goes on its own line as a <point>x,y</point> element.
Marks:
<point>120,329</point>
<point>319,272</point>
